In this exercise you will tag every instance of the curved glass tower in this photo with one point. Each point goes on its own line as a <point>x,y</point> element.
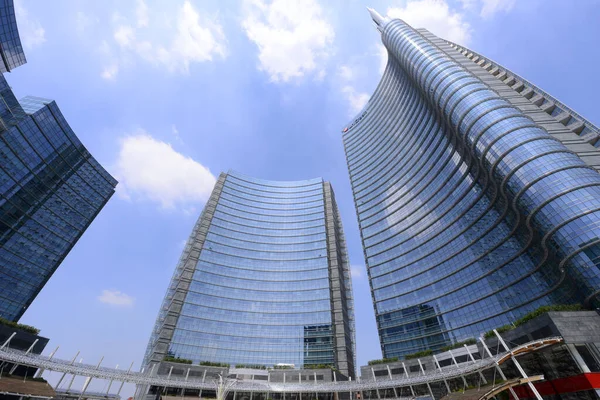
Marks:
<point>263,280</point>
<point>477,203</point>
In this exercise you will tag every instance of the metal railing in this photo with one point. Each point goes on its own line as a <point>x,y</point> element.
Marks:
<point>145,378</point>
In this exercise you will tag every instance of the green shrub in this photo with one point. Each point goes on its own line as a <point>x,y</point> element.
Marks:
<point>545,309</point>
<point>459,344</point>
<point>383,361</point>
<point>282,367</point>
<point>319,366</point>
<point>177,360</point>
<point>418,354</point>
<point>534,314</point>
<point>251,366</point>
<point>23,327</point>
<point>213,364</point>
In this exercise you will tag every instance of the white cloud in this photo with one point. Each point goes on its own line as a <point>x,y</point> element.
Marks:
<point>356,100</point>
<point>141,12</point>
<point>491,7</point>
<point>110,72</point>
<point>293,37</point>
<point>31,32</point>
<point>435,16</point>
<point>357,271</point>
<point>124,36</point>
<point>346,72</point>
<point>194,38</point>
<point>151,170</point>
<point>116,298</point>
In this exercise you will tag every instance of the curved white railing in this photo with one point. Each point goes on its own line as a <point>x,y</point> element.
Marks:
<point>140,378</point>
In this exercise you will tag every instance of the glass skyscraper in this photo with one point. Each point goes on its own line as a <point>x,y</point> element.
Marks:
<point>263,280</point>
<point>477,194</point>
<point>51,189</point>
<point>11,50</point>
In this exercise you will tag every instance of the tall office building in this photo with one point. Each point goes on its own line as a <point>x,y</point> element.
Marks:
<point>11,50</point>
<point>477,195</point>
<point>262,280</point>
<point>51,189</point>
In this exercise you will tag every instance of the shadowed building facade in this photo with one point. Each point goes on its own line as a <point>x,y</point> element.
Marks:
<point>263,280</point>
<point>477,195</point>
<point>51,189</point>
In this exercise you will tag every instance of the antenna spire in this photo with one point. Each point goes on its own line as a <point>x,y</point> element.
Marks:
<point>377,18</point>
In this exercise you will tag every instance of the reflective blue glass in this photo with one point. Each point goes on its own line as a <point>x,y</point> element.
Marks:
<point>11,50</point>
<point>471,214</point>
<point>260,286</point>
<point>51,189</point>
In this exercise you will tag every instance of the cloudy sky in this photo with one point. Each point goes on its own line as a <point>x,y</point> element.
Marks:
<point>167,94</point>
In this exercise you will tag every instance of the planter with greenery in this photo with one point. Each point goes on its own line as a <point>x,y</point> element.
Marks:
<point>251,366</point>
<point>23,327</point>
<point>532,315</point>
<point>459,344</point>
<point>418,354</point>
<point>177,360</point>
<point>383,361</point>
<point>319,366</point>
<point>213,364</point>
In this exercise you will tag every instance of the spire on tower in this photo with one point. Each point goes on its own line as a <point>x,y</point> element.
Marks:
<point>377,18</point>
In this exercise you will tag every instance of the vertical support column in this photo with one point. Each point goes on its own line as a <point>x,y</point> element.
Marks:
<point>8,340</point>
<point>498,368</point>
<point>65,374</point>
<point>437,363</point>
<point>111,382</point>
<point>88,380</point>
<point>40,371</point>
<point>473,359</point>
<point>423,371</point>
<point>577,357</point>
<point>518,365</point>
<point>375,379</point>
<point>455,363</point>
<point>122,383</point>
<point>391,378</point>
<point>15,366</point>
<point>73,378</point>
<point>406,373</point>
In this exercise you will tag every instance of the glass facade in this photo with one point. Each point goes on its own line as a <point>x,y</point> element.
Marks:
<point>11,50</point>
<point>51,189</point>
<point>472,212</point>
<point>257,280</point>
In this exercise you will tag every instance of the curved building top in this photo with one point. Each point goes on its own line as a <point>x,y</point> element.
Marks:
<point>275,184</point>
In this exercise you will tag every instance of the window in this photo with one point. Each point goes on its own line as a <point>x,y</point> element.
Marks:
<point>556,111</point>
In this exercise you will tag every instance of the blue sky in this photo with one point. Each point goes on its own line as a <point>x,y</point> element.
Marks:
<point>167,94</point>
